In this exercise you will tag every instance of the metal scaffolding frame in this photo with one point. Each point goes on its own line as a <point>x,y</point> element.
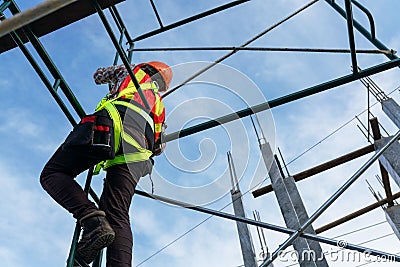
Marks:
<point>20,31</point>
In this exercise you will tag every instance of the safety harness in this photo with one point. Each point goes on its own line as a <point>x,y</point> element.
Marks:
<point>119,133</point>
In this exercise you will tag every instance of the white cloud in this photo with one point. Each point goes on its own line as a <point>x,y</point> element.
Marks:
<point>19,121</point>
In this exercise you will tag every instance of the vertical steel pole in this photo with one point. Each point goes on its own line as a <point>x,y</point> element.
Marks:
<point>349,17</point>
<point>120,52</point>
<point>362,30</point>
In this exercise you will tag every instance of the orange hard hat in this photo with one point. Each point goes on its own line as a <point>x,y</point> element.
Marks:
<point>164,70</point>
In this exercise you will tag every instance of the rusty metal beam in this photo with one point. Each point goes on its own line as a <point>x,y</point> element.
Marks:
<point>385,175</point>
<point>355,214</point>
<point>320,168</point>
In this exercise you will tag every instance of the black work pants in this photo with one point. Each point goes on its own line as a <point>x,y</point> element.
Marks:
<point>57,178</point>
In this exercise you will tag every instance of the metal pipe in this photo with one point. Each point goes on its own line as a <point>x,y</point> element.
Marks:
<point>55,72</point>
<point>269,226</point>
<point>49,63</point>
<point>355,214</point>
<point>282,100</point>
<point>121,39</point>
<point>369,15</point>
<point>350,30</point>
<point>71,256</point>
<point>4,6</point>
<point>120,52</point>
<point>190,19</point>
<point>361,29</point>
<point>320,168</point>
<point>75,237</point>
<point>329,202</point>
<point>43,77</point>
<point>30,15</point>
<point>156,12</point>
<point>120,21</point>
<point>272,49</point>
<point>233,52</point>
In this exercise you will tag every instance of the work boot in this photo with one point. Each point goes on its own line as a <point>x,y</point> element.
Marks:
<point>97,234</point>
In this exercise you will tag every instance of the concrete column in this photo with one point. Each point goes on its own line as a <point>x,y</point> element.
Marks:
<point>392,110</point>
<point>393,218</point>
<point>249,257</point>
<point>293,211</point>
<point>390,159</point>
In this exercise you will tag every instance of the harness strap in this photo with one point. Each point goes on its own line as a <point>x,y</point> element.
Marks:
<point>126,92</point>
<point>127,158</point>
<point>116,118</point>
<point>141,112</point>
<point>119,134</point>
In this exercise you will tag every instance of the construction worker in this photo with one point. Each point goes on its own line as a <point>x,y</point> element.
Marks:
<point>122,136</point>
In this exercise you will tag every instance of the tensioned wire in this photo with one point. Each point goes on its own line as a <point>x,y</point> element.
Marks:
<point>257,185</point>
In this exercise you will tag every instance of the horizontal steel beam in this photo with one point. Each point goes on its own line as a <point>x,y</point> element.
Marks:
<point>190,19</point>
<point>24,18</point>
<point>283,100</point>
<point>270,49</point>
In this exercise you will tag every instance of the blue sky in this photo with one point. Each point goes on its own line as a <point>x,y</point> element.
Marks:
<point>37,232</point>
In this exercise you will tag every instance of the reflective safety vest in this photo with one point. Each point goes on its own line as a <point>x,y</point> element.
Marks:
<point>128,89</point>
<point>119,133</point>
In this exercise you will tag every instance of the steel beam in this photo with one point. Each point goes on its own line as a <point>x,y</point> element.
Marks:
<point>187,20</point>
<point>360,28</point>
<point>120,52</point>
<point>283,100</point>
<point>170,91</point>
<point>43,77</point>
<point>24,18</point>
<point>55,20</point>
<point>271,49</point>
<point>350,30</point>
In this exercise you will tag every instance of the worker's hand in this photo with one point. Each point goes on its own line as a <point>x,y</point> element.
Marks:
<point>158,149</point>
<point>160,145</point>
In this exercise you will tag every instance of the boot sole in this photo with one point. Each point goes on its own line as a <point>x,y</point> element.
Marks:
<point>89,252</point>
